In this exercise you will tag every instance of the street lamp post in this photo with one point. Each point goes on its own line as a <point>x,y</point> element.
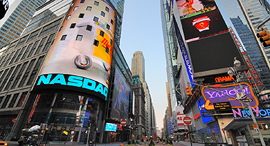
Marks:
<point>233,71</point>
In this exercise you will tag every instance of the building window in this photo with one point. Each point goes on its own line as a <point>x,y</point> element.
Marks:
<point>107,9</point>
<point>96,42</point>
<point>88,8</point>
<point>79,37</point>
<point>108,26</point>
<point>101,33</point>
<point>96,3</point>
<point>81,15</point>
<point>63,37</point>
<point>95,19</point>
<point>72,25</point>
<point>82,1</point>
<point>89,27</point>
<point>68,17</point>
<point>75,8</point>
<point>6,101</point>
<point>102,14</point>
<point>14,98</point>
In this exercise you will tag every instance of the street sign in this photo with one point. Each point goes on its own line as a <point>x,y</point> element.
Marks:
<point>123,122</point>
<point>256,130</point>
<point>187,120</point>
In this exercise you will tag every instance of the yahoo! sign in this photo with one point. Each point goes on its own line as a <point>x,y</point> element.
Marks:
<point>212,96</point>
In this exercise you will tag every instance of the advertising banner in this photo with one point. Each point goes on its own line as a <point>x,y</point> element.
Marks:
<point>211,96</point>
<point>80,58</point>
<point>205,117</point>
<point>120,100</point>
<point>214,55</point>
<point>200,18</point>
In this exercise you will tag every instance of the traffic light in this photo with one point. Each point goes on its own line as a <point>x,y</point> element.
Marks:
<point>188,90</point>
<point>264,37</point>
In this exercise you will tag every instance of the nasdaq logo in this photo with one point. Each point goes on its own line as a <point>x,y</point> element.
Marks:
<point>74,81</point>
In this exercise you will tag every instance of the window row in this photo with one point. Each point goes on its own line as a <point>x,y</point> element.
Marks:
<point>15,100</point>
<point>21,75</point>
<point>27,51</point>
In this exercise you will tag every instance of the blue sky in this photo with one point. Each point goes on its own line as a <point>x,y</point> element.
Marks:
<point>142,31</point>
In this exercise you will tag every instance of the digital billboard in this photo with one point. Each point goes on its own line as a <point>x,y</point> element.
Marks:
<point>80,58</point>
<point>120,99</point>
<point>200,18</point>
<point>205,117</point>
<point>110,127</point>
<point>212,96</point>
<point>4,5</point>
<point>214,55</point>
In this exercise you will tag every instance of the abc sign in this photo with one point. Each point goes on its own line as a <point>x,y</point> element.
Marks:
<point>4,5</point>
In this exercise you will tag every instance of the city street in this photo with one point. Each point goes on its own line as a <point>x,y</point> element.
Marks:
<point>181,143</point>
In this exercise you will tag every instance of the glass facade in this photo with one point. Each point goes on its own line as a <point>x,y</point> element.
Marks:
<point>17,21</point>
<point>69,116</point>
<point>171,53</point>
<point>253,50</point>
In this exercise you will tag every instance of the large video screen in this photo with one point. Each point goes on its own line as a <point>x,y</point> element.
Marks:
<point>214,55</point>
<point>120,100</point>
<point>80,58</point>
<point>200,18</point>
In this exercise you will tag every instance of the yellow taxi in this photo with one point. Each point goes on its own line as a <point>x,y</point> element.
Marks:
<point>3,143</point>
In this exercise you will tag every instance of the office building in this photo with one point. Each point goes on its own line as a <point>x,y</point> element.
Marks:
<point>139,131</point>
<point>16,19</point>
<point>25,98</point>
<point>256,14</point>
<point>138,68</point>
<point>253,50</point>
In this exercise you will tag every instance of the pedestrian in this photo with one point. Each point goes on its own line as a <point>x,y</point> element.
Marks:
<point>1,139</point>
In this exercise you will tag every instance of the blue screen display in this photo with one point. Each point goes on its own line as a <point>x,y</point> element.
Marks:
<point>200,103</point>
<point>110,127</point>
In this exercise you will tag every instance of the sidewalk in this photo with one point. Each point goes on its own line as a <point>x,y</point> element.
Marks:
<point>184,143</point>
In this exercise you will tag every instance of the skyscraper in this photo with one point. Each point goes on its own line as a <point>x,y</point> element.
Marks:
<point>16,19</point>
<point>138,65</point>
<point>255,13</point>
<point>253,50</point>
<point>21,107</point>
<point>138,68</point>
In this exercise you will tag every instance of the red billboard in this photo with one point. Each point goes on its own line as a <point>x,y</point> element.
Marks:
<point>200,18</point>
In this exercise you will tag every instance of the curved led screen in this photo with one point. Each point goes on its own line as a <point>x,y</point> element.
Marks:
<point>80,58</point>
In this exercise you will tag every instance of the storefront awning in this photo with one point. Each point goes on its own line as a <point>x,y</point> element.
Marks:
<point>237,123</point>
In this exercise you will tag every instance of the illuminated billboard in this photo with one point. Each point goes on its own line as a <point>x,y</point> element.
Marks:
<point>4,5</point>
<point>214,55</point>
<point>212,96</point>
<point>80,58</point>
<point>204,115</point>
<point>110,127</point>
<point>120,100</point>
<point>200,18</point>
